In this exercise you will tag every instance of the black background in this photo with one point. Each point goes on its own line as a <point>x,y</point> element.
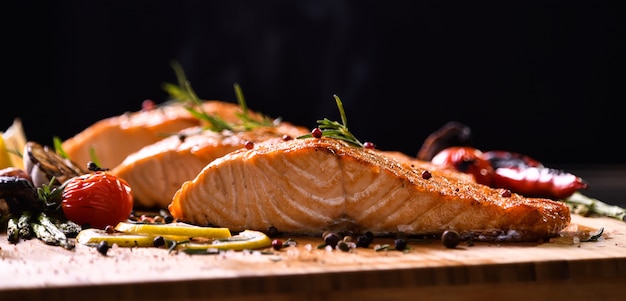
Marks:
<point>544,78</point>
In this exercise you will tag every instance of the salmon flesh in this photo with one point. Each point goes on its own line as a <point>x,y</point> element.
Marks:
<point>156,171</point>
<point>308,186</point>
<point>108,141</point>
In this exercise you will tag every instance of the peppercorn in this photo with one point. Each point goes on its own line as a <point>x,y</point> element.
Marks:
<point>369,145</point>
<point>103,248</point>
<point>343,246</point>
<point>400,244</point>
<point>109,229</point>
<point>316,133</point>
<point>158,241</point>
<point>147,105</point>
<point>450,239</point>
<point>363,241</point>
<point>272,232</point>
<point>331,239</point>
<point>277,244</point>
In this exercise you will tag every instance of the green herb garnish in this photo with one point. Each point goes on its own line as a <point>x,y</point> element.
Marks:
<point>184,94</point>
<point>334,129</point>
<point>586,206</point>
<point>58,147</point>
<point>249,122</point>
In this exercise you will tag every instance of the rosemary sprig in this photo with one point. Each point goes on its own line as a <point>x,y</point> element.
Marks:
<point>334,129</point>
<point>185,94</point>
<point>193,104</point>
<point>247,121</point>
<point>586,206</point>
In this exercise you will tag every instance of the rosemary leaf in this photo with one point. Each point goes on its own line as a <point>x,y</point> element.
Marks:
<point>184,94</point>
<point>334,129</point>
<point>580,203</point>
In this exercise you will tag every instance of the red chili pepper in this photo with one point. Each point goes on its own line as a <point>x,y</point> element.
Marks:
<point>516,172</point>
<point>500,158</point>
<point>538,181</point>
<point>467,160</point>
<point>527,176</point>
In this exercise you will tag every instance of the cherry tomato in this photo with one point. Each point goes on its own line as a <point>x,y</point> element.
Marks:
<point>467,160</point>
<point>97,200</point>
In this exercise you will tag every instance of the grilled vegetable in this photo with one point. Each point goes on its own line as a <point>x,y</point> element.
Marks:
<point>516,172</point>
<point>23,225</point>
<point>57,235</point>
<point>45,166</point>
<point>13,234</point>
<point>19,194</point>
<point>468,160</point>
<point>97,199</point>
<point>525,175</point>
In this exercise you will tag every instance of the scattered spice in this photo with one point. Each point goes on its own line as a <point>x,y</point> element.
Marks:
<point>369,145</point>
<point>103,248</point>
<point>316,133</point>
<point>450,239</point>
<point>277,244</point>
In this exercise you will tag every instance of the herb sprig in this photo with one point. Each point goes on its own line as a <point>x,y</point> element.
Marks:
<point>334,129</point>
<point>587,206</point>
<point>184,94</point>
<point>247,121</point>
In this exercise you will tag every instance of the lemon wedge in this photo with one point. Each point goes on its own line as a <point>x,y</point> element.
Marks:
<point>173,229</point>
<point>93,236</point>
<point>14,141</point>
<point>5,159</point>
<point>245,240</point>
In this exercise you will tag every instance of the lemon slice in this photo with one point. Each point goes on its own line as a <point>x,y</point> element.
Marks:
<point>173,229</point>
<point>5,159</point>
<point>93,236</point>
<point>245,240</point>
<point>14,143</point>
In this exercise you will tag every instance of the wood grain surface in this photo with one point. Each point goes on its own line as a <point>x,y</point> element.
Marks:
<point>31,270</point>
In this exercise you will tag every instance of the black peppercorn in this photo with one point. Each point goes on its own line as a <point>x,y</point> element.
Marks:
<point>450,239</point>
<point>400,244</point>
<point>158,241</point>
<point>363,241</point>
<point>103,248</point>
<point>331,239</point>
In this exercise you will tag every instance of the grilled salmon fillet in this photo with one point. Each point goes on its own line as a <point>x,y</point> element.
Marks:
<point>112,139</point>
<point>156,171</point>
<point>307,186</point>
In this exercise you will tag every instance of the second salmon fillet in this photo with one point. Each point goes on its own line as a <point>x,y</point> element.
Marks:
<point>112,139</point>
<point>307,186</point>
<point>156,171</point>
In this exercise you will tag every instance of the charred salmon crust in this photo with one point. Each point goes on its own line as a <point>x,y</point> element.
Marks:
<point>307,186</point>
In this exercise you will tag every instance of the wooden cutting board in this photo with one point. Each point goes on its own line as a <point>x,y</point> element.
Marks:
<point>32,270</point>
